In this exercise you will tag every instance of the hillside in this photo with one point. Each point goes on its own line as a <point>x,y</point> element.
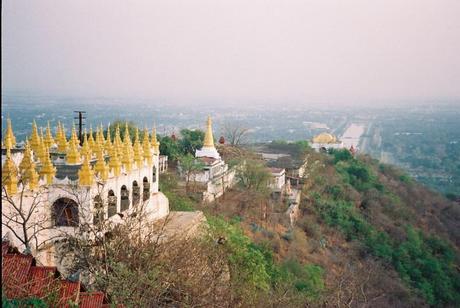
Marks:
<point>367,235</point>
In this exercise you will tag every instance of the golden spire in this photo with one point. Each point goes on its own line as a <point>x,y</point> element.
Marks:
<point>108,144</point>
<point>86,149</point>
<point>49,141</point>
<point>127,156</point>
<point>9,174</point>
<point>117,140</point>
<point>47,171</point>
<point>98,144</point>
<point>155,143</point>
<point>26,159</point>
<point>137,149</point>
<point>73,156</point>
<point>146,147</point>
<point>27,169</point>
<point>126,137</point>
<point>101,167</point>
<point>86,173</point>
<point>90,138</point>
<point>40,149</point>
<point>58,131</point>
<point>208,138</point>
<point>35,138</point>
<point>101,138</point>
<point>73,136</point>
<point>10,139</point>
<point>61,139</point>
<point>114,162</point>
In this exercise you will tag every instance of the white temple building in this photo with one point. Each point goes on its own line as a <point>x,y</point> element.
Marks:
<point>277,179</point>
<point>215,175</point>
<point>65,186</point>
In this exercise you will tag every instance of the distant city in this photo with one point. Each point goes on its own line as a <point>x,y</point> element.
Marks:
<point>423,140</point>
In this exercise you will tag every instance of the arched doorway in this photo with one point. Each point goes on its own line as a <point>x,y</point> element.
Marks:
<point>124,198</point>
<point>65,211</point>
<point>136,193</point>
<point>146,189</point>
<point>112,204</point>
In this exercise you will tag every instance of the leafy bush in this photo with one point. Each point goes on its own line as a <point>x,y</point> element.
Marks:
<point>426,263</point>
<point>179,203</point>
<point>248,266</point>
<point>28,302</point>
<point>358,174</point>
<point>307,279</point>
<point>405,178</point>
<point>340,155</point>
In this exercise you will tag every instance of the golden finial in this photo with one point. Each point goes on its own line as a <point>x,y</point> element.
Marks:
<point>117,140</point>
<point>40,149</point>
<point>126,137</point>
<point>73,136</point>
<point>35,138</point>
<point>137,150</point>
<point>62,141</point>
<point>127,151</point>
<point>47,171</point>
<point>101,168</point>
<point>27,158</point>
<point>73,156</point>
<point>115,163</point>
<point>155,143</point>
<point>146,147</point>
<point>90,138</point>
<point>108,142</point>
<point>10,139</point>
<point>86,149</point>
<point>49,141</point>
<point>9,174</point>
<point>98,145</point>
<point>27,169</point>
<point>101,136</point>
<point>86,173</point>
<point>58,130</point>
<point>127,158</point>
<point>208,137</point>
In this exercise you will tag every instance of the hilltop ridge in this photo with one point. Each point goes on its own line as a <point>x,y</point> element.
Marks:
<point>381,238</point>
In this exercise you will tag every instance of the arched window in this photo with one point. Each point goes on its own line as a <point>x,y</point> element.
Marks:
<point>146,189</point>
<point>112,204</point>
<point>65,212</point>
<point>154,174</point>
<point>136,193</point>
<point>98,216</point>
<point>124,198</point>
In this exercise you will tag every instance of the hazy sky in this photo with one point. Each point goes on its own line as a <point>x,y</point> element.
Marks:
<point>234,51</point>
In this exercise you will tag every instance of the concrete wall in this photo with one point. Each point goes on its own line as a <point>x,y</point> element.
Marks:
<point>217,186</point>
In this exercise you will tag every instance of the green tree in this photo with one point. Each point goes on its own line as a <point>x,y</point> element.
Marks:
<point>254,176</point>
<point>190,166</point>
<point>248,266</point>
<point>341,155</point>
<point>169,147</point>
<point>190,141</point>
